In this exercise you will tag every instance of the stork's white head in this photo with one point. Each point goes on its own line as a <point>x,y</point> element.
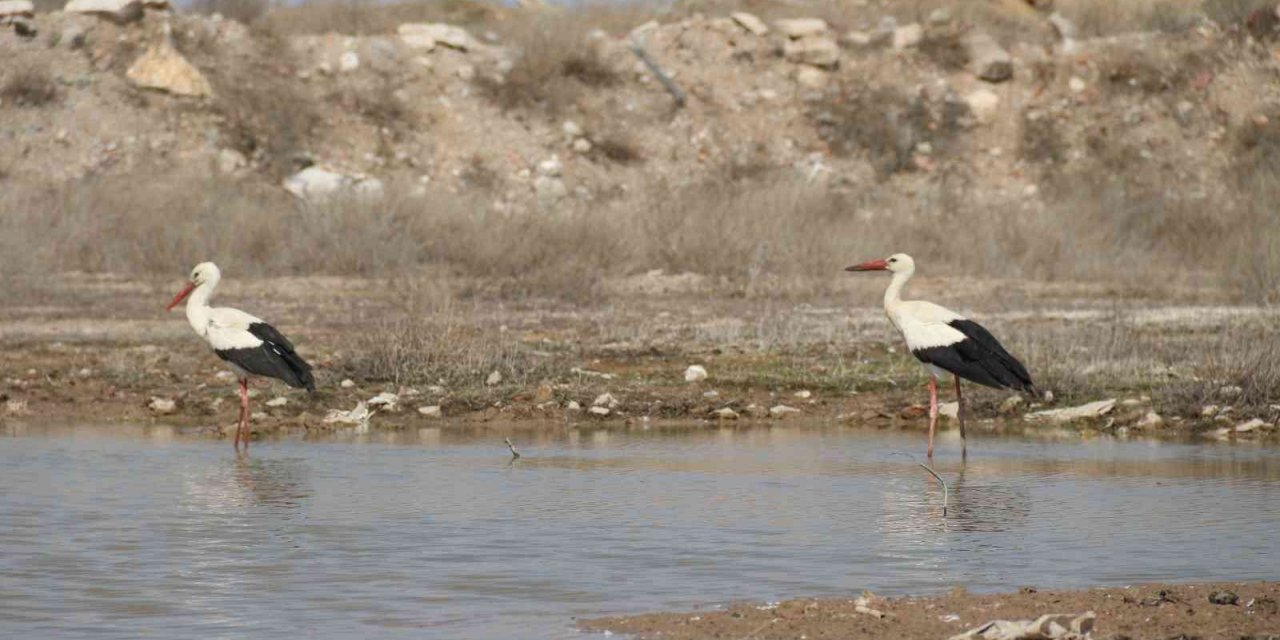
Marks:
<point>897,263</point>
<point>205,274</point>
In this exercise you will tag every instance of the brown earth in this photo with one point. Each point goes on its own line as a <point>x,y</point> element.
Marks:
<point>1152,611</point>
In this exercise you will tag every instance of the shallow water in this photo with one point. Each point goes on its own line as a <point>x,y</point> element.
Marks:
<point>141,533</point>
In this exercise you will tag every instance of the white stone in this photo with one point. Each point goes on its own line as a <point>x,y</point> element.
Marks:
<point>386,401</point>
<point>812,78</point>
<point>598,411</point>
<point>117,10</point>
<point>495,377</point>
<point>908,36</point>
<point>1252,425</point>
<point>349,61</point>
<point>983,103</point>
<point>1150,420</point>
<point>725,414</point>
<point>1076,84</point>
<point>940,16</point>
<point>801,27</point>
<point>230,161</point>
<point>695,373</point>
<point>16,9</point>
<point>551,167</point>
<point>431,411</point>
<point>750,22</point>
<point>571,129</point>
<point>782,410</point>
<point>418,34</point>
<point>549,190</point>
<point>357,416</point>
<point>858,39</point>
<point>1082,412</point>
<point>164,69</point>
<point>573,406</point>
<point>605,400</point>
<point>162,406</point>
<point>316,185</point>
<point>987,59</point>
<point>803,394</point>
<point>582,145</point>
<point>347,383</point>
<point>949,410</point>
<point>819,52</point>
<point>278,401</point>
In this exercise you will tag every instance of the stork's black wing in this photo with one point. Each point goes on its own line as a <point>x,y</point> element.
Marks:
<point>274,358</point>
<point>979,358</point>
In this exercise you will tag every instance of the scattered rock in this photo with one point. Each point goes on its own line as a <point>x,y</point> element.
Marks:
<point>582,145</point>
<point>795,28</point>
<point>940,16</point>
<point>1251,425</point>
<point>949,410</point>
<point>119,11</point>
<point>605,400</point>
<point>162,406</point>
<point>347,383</point>
<point>695,373</point>
<point>278,401</point>
<point>431,411</point>
<point>385,401</point>
<point>1230,391</point>
<point>551,167</point>
<point>418,35</point>
<point>573,406</point>
<point>1224,597</point>
<point>1076,85</point>
<point>857,39</point>
<point>987,59</point>
<point>230,161</point>
<point>358,416</point>
<point>598,411</point>
<point>725,414</point>
<point>782,411</point>
<point>908,36</point>
<point>495,377</point>
<point>316,185</point>
<point>1082,412</point>
<point>803,394</point>
<point>348,62</point>
<point>750,22</point>
<point>983,103</point>
<point>1209,410</point>
<point>549,190</point>
<point>10,9</point>
<point>1150,420</point>
<point>812,78</point>
<point>819,52</point>
<point>164,69</point>
<point>16,407</point>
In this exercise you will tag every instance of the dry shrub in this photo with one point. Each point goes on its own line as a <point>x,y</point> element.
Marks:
<point>242,11</point>
<point>946,48</point>
<point>1103,17</point>
<point>448,350</point>
<point>885,124</point>
<point>267,112</point>
<point>1041,140</point>
<point>29,85</point>
<point>618,147</point>
<point>362,17</point>
<point>557,62</point>
<point>1235,12</point>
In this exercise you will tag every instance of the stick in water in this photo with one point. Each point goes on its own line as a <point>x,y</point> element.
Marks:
<point>946,492</point>
<point>516,454</point>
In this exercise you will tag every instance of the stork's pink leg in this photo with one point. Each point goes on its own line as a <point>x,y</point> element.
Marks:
<point>244,415</point>
<point>960,416</point>
<point>933,410</point>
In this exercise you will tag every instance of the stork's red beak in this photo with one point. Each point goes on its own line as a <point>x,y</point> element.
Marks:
<point>182,295</point>
<point>871,265</point>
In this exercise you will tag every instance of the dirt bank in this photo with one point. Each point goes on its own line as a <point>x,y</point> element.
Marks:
<point>1136,612</point>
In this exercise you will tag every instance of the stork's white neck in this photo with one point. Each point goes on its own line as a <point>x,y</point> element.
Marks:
<point>198,307</point>
<point>893,295</point>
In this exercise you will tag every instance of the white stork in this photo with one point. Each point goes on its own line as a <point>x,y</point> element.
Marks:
<point>946,342</point>
<point>247,344</point>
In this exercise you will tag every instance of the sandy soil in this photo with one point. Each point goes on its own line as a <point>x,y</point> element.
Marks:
<point>1136,612</point>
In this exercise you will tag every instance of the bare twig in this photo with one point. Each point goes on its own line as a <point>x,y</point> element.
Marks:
<point>637,47</point>
<point>946,491</point>
<point>514,454</point>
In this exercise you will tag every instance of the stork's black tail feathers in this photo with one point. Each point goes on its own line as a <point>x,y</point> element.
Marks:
<point>288,366</point>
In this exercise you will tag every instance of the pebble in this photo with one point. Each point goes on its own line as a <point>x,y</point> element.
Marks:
<point>495,377</point>
<point>431,411</point>
<point>347,384</point>
<point>782,410</point>
<point>599,411</point>
<point>725,414</point>
<point>1224,597</point>
<point>695,373</point>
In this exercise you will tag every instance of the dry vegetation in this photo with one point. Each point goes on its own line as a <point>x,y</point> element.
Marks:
<point>28,85</point>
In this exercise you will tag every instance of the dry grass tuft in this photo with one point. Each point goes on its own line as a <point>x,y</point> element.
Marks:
<point>29,86</point>
<point>558,61</point>
<point>242,11</point>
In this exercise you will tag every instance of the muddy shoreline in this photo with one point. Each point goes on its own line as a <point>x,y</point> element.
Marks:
<point>1210,611</point>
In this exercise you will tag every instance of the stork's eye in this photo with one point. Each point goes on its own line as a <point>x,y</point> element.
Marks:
<point>893,259</point>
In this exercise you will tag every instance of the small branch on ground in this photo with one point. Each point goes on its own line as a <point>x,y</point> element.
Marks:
<point>637,47</point>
